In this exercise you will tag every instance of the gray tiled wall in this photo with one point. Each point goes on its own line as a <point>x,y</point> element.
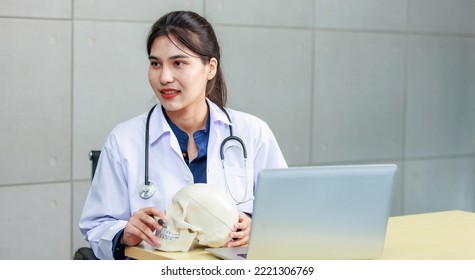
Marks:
<point>339,82</point>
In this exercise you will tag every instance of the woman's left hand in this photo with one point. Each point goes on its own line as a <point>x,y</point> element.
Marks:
<point>241,231</point>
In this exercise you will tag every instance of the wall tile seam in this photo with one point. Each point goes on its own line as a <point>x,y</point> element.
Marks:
<point>37,18</point>
<point>402,171</point>
<point>113,20</point>
<point>38,183</point>
<point>441,34</point>
<point>351,30</point>
<point>395,32</point>
<point>264,26</point>
<point>396,159</point>
<point>362,161</point>
<point>442,157</point>
<point>312,135</point>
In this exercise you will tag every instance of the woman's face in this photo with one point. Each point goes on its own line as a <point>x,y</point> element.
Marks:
<point>178,76</point>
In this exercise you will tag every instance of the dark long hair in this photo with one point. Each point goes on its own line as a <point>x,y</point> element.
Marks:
<point>196,33</point>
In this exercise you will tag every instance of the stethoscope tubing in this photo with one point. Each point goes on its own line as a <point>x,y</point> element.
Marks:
<point>147,142</point>
<point>151,188</point>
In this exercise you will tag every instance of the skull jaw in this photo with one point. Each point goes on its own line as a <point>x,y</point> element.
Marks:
<point>175,242</point>
<point>184,240</point>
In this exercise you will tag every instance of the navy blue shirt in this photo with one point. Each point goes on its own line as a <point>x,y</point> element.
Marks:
<point>201,137</point>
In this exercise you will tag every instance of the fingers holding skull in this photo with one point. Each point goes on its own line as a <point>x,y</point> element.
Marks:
<point>141,226</point>
<point>242,229</point>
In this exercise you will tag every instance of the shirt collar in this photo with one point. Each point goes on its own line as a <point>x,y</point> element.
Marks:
<point>180,132</point>
<point>159,125</point>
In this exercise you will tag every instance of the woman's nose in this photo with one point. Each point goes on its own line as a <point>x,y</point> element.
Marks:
<point>165,76</point>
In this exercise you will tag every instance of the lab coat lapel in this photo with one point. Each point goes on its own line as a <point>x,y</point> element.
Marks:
<point>159,126</point>
<point>218,131</point>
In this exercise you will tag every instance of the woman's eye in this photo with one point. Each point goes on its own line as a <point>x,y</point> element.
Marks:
<point>179,63</point>
<point>154,64</point>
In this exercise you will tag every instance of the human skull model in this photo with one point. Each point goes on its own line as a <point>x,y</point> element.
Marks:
<point>199,212</point>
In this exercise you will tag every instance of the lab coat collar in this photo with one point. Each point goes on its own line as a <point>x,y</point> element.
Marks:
<point>159,125</point>
<point>217,115</point>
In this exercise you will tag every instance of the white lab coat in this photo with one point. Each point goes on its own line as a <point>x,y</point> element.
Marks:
<point>114,195</point>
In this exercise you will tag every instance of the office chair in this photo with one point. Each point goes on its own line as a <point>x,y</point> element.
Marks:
<point>86,253</point>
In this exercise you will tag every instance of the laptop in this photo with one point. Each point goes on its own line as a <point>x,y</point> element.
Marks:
<point>318,213</point>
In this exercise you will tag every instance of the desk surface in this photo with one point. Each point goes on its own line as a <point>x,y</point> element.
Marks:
<point>439,235</point>
<point>431,236</point>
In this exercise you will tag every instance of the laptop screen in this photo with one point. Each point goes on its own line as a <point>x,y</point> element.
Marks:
<point>321,212</point>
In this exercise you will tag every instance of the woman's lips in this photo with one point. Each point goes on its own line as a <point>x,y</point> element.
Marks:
<point>169,93</point>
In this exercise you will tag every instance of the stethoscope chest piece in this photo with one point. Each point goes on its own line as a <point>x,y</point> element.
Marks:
<point>147,191</point>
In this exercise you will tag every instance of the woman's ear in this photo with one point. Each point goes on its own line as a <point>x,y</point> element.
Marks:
<point>213,67</point>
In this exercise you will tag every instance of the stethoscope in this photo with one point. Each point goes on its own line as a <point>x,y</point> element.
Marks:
<point>147,190</point>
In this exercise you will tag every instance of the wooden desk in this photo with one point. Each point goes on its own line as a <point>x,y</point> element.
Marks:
<point>143,252</point>
<point>431,236</point>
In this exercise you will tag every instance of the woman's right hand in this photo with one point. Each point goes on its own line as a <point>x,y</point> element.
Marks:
<point>141,226</point>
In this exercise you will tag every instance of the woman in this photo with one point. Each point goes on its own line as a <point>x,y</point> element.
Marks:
<point>185,132</point>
